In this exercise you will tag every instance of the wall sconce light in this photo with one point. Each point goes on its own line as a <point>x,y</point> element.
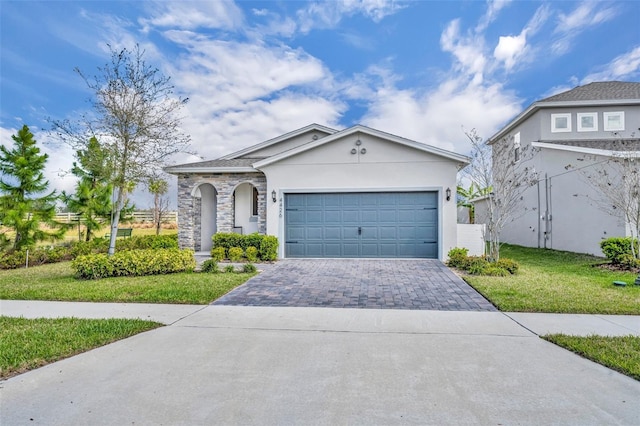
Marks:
<point>273,196</point>
<point>448,194</point>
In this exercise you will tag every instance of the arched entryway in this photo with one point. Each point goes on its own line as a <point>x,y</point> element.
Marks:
<point>245,202</point>
<point>208,215</point>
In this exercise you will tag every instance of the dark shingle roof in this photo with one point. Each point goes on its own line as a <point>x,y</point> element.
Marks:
<point>237,162</point>
<point>606,144</point>
<point>599,91</point>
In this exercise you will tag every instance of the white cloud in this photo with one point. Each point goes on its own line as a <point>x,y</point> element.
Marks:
<point>467,50</point>
<point>493,8</point>
<point>328,14</point>
<point>437,117</point>
<point>221,14</point>
<point>625,66</point>
<point>242,93</point>
<point>512,49</point>
<point>586,14</point>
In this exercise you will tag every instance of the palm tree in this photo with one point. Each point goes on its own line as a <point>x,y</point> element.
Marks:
<point>465,197</point>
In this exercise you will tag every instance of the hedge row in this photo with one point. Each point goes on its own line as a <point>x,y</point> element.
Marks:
<point>227,244</point>
<point>40,255</point>
<point>133,263</point>
<point>479,265</point>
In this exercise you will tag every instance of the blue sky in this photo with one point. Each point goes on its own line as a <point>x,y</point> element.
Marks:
<point>255,70</point>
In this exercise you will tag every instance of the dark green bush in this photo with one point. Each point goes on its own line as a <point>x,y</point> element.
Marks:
<point>96,245</point>
<point>510,265</point>
<point>210,266</point>
<point>251,253</point>
<point>133,263</point>
<point>144,242</point>
<point>229,268</point>
<point>268,248</point>
<point>218,253</point>
<point>267,245</point>
<point>235,254</point>
<point>249,268</point>
<point>617,249</point>
<point>476,265</point>
<point>458,257</point>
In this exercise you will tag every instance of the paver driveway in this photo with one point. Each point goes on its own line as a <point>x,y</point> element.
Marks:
<point>359,283</point>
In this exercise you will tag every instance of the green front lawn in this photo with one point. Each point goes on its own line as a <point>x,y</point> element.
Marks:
<point>26,344</point>
<point>562,282</point>
<point>56,282</point>
<point>618,353</point>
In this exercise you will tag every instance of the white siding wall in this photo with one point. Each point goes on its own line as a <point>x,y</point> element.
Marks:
<point>471,237</point>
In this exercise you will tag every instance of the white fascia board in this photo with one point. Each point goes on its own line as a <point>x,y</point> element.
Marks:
<point>278,139</point>
<point>559,104</point>
<point>591,151</point>
<point>365,130</point>
<point>184,170</point>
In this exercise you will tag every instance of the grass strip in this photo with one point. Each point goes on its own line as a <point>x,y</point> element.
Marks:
<point>559,282</point>
<point>621,354</point>
<point>56,282</point>
<point>26,344</point>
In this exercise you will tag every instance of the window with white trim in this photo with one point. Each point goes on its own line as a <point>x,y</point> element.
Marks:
<point>560,123</point>
<point>516,147</point>
<point>613,121</point>
<point>587,121</point>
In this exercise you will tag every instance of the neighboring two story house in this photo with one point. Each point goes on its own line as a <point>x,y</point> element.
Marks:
<point>566,137</point>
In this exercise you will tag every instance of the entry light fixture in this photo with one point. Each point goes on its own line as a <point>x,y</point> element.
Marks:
<point>273,196</point>
<point>448,194</point>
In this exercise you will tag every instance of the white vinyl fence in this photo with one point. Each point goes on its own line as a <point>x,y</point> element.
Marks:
<point>471,237</point>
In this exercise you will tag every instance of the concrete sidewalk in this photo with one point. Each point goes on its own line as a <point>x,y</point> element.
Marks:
<point>540,324</point>
<point>263,365</point>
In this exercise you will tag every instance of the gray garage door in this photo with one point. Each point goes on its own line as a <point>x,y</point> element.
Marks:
<point>380,224</point>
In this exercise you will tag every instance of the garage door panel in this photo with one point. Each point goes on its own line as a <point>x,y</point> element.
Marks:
<point>362,225</point>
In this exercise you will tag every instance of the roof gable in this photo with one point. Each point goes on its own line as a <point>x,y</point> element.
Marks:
<point>369,131</point>
<point>316,130</point>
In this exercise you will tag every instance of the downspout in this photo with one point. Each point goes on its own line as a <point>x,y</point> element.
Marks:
<point>546,209</point>
<point>550,220</point>
<point>538,211</point>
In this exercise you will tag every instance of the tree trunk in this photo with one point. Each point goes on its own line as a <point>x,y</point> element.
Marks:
<point>115,220</point>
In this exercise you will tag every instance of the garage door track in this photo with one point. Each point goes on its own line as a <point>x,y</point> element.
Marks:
<point>359,283</point>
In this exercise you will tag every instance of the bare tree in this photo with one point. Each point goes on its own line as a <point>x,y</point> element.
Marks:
<point>503,167</point>
<point>158,187</point>
<point>616,180</point>
<point>135,116</point>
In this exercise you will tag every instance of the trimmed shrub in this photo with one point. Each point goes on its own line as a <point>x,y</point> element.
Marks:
<point>218,253</point>
<point>144,242</point>
<point>249,268</point>
<point>476,265</point>
<point>458,257</point>
<point>495,271</point>
<point>510,265</point>
<point>616,249</point>
<point>133,263</point>
<point>96,245</point>
<point>229,268</point>
<point>13,259</point>
<point>269,248</point>
<point>210,266</point>
<point>267,245</point>
<point>235,254</point>
<point>251,253</point>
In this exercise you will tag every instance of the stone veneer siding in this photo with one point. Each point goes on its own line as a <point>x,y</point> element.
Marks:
<point>189,207</point>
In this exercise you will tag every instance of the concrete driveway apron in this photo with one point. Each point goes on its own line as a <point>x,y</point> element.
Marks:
<point>424,284</point>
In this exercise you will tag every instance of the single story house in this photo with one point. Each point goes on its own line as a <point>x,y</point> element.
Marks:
<point>357,192</point>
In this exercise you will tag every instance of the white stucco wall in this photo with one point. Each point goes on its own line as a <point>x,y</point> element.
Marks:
<point>576,222</point>
<point>386,166</point>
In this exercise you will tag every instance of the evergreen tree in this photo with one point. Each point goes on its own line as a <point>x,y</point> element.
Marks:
<point>22,180</point>
<point>92,197</point>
